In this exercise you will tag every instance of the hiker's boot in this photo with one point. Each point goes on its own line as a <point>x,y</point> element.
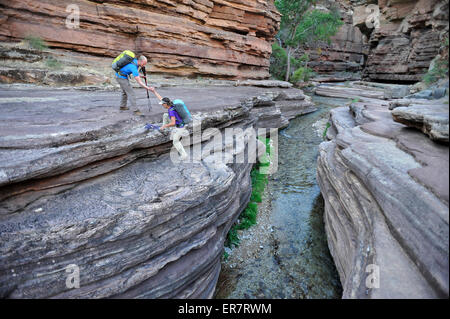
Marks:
<point>165,132</point>
<point>124,108</point>
<point>138,113</point>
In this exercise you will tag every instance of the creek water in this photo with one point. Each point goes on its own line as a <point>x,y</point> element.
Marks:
<point>298,263</point>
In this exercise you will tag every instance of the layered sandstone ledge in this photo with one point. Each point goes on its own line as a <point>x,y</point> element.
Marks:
<point>386,191</point>
<point>82,183</point>
<point>222,39</point>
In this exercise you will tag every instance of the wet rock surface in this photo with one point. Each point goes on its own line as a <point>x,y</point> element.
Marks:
<point>386,191</point>
<point>83,183</point>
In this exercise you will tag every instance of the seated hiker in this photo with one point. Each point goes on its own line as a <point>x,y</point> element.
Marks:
<point>171,119</point>
<point>122,78</point>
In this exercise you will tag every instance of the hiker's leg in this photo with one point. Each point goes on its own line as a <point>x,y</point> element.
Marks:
<point>123,99</point>
<point>131,96</point>
<point>126,87</point>
<point>176,137</point>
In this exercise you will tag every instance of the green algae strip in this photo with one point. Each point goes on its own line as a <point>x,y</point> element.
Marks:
<point>248,217</point>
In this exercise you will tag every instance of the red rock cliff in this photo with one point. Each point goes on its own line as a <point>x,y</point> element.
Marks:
<point>214,38</point>
<point>410,36</point>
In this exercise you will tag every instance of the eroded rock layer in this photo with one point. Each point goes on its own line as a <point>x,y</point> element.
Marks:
<point>89,187</point>
<point>386,191</point>
<point>217,38</point>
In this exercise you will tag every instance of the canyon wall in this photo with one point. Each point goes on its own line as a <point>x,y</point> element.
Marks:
<point>345,56</point>
<point>410,34</point>
<point>214,38</point>
<point>232,39</point>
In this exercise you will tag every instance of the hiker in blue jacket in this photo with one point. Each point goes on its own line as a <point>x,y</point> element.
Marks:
<point>127,90</point>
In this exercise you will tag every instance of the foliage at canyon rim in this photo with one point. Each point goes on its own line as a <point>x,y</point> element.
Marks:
<point>440,68</point>
<point>36,43</point>
<point>301,23</point>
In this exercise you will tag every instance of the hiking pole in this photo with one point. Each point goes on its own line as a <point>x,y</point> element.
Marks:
<point>148,97</point>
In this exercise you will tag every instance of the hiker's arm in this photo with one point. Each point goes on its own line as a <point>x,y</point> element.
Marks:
<point>156,93</point>
<point>172,123</point>
<point>138,80</point>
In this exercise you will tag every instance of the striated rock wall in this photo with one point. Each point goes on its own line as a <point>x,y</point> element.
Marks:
<point>386,192</point>
<point>345,56</point>
<point>89,186</point>
<point>215,38</point>
<point>409,37</point>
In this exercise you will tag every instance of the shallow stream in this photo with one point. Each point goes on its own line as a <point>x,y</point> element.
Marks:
<point>293,260</point>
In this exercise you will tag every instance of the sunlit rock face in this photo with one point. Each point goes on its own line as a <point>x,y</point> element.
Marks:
<point>222,39</point>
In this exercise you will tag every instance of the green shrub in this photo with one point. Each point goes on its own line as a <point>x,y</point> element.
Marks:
<point>302,74</point>
<point>232,238</point>
<point>439,71</point>
<point>36,43</point>
<point>248,217</point>
<point>53,63</point>
<point>278,62</point>
<point>326,130</point>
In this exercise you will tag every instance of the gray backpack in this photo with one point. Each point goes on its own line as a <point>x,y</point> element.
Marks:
<point>182,111</point>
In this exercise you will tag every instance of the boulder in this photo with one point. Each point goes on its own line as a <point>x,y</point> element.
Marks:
<point>264,83</point>
<point>431,119</point>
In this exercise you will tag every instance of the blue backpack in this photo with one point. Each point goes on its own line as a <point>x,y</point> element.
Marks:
<point>182,111</point>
